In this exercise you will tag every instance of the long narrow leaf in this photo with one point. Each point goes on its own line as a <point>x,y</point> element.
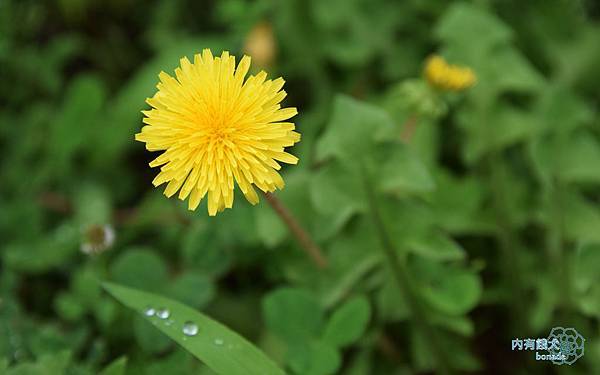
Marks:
<point>221,349</point>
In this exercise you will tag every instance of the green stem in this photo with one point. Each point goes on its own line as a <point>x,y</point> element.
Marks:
<point>508,243</point>
<point>400,273</point>
<point>555,245</point>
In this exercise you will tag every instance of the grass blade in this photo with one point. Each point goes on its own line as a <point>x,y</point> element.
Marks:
<point>220,348</point>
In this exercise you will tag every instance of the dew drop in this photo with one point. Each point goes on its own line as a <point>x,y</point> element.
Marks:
<point>163,313</point>
<point>219,342</point>
<point>149,311</point>
<point>190,329</point>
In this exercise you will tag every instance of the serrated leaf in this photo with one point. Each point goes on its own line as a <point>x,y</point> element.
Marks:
<point>220,348</point>
<point>353,130</point>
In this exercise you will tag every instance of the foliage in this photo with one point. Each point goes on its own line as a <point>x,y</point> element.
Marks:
<point>491,208</point>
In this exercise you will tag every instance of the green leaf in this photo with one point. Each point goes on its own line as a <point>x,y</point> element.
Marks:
<point>46,364</point>
<point>148,338</point>
<point>200,250</point>
<point>508,126</point>
<point>140,268</point>
<point>78,116</point>
<point>457,203</point>
<point>50,251</point>
<point>436,246</point>
<point>92,205</point>
<point>221,349</point>
<point>348,322</point>
<point>581,218</point>
<point>587,263</point>
<point>447,288</point>
<point>315,358</point>
<point>571,158</point>
<point>464,21</point>
<point>561,110</point>
<point>336,193</point>
<point>193,289</point>
<point>402,170</point>
<point>392,305</point>
<point>353,130</point>
<point>116,367</point>
<point>293,314</point>
<point>69,307</point>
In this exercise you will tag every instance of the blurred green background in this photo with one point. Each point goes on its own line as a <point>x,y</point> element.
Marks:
<point>494,204</point>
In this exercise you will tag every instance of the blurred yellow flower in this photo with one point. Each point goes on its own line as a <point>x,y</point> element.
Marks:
<point>448,77</point>
<point>260,44</point>
<point>216,127</point>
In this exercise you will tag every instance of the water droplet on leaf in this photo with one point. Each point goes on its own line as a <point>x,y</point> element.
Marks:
<point>149,311</point>
<point>190,329</point>
<point>163,313</point>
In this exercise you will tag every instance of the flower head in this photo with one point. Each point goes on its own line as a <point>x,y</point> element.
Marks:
<point>448,77</point>
<point>217,129</point>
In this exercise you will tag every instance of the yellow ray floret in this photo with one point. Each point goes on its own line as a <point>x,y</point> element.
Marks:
<point>218,128</point>
<point>448,77</point>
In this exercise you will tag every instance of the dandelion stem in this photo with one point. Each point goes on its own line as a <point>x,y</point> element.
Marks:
<point>304,239</point>
<point>399,270</point>
<point>409,128</point>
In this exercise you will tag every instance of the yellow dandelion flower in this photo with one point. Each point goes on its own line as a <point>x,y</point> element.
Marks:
<point>218,128</point>
<point>448,77</point>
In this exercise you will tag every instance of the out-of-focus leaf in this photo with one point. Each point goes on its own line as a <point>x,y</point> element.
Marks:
<point>436,246</point>
<point>348,322</point>
<point>315,358</point>
<point>353,130</point>
<point>193,289</point>
<point>581,218</point>
<point>586,266</point>
<point>45,253</point>
<point>200,250</point>
<point>403,171</point>
<point>293,314</point>
<point>449,289</point>
<point>464,21</point>
<point>149,339</point>
<point>116,367</point>
<point>45,365</point>
<point>140,268</point>
<point>336,193</point>
<point>78,117</point>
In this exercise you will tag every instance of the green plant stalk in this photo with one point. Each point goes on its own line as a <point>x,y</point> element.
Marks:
<point>506,238</point>
<point>555,245</point>
<point>505,235</point>
<point>400,272</point>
